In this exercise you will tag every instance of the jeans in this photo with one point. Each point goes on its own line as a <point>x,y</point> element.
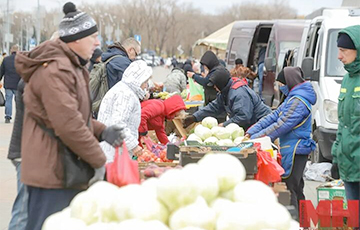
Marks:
<point>45,202</point>
<point>261,77</point>
<point>19,212</point>
<point>352,190</point>
<point>9,93</point>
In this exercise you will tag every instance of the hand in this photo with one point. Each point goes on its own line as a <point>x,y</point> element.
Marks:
<point>335,171</point>
<point>190,74</point>
<point>114,135</point>
<point>247,136</point>
<point>1,85</point>
<point>98,176</point>
<point>147,96</point>
<point>221,125</point>
<point>188,120</point>
<point>137,151</point>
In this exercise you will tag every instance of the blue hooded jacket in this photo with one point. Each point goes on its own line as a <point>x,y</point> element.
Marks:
<point>291,122</point>
<point>116,67</point>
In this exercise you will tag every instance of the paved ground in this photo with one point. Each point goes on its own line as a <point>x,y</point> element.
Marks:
<point>8,173</point>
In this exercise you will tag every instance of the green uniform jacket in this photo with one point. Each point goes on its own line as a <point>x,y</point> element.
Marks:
<point>346,148</point>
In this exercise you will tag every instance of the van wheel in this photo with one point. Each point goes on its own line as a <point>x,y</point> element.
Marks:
<point>316,155</point>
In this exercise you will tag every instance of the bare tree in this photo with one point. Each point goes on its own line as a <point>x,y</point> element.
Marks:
<point>162,24</point>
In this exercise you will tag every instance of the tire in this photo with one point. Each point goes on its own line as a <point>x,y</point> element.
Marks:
<point>316,155</point>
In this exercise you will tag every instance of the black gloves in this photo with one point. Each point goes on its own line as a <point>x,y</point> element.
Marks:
<point>335,171</point>
<point>114,135</point>
<point>189,120</point>
<point>143,133</point>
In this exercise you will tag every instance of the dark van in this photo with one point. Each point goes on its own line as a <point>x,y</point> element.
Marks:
<point>285,35</point>
<point>245,41</point>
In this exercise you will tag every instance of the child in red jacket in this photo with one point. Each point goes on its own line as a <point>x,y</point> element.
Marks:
<point>154,112</point>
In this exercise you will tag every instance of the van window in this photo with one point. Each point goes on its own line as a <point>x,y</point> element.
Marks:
<point>318,51</point>
<point>333,67</point>
<point>239,49</point>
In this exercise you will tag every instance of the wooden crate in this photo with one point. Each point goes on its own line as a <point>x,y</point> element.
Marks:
<point>144,165</point>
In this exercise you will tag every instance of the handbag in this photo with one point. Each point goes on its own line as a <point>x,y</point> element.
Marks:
<point>77,173</point>
<point>2,99</point>
<point>122,171</point>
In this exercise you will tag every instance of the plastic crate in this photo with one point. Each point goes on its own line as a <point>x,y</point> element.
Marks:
<point>249,160</point>
<point>144,165</point>
<point>193,153</point>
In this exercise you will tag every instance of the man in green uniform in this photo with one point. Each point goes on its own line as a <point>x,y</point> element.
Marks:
<point>346,148</point>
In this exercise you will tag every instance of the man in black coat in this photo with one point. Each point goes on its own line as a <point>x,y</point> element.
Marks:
<point>211,63</point>
<point>11,81</point>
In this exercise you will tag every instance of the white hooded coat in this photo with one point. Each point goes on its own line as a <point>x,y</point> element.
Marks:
<point>121,105</point>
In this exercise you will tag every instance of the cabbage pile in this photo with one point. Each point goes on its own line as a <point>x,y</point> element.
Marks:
<point>209,133</point>
<point>209,195</point>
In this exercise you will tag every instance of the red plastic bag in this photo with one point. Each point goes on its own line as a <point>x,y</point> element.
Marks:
<point>123,170</point>
<point>269,170</point>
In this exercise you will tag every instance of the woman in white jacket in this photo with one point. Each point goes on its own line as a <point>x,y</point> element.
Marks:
<point>121,106</point>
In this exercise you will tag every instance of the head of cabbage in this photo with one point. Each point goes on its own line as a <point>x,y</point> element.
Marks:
<point>209,122</point>
<point>235,130</point>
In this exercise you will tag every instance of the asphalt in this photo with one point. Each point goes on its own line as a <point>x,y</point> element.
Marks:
<point>8,173</point>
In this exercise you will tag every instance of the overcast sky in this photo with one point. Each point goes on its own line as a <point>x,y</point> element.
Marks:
<point>303,7</point>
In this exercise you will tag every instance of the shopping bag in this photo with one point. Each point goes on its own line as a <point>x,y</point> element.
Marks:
<point>269,171</point>
<point>122,171</point>
<point>195,89</point>
<point>2,99</point>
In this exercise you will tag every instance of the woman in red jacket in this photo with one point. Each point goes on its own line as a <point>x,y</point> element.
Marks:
<point>154,112</point>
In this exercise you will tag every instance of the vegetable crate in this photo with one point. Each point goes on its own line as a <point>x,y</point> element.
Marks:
<point>154,169</point>
<point>192,154</point>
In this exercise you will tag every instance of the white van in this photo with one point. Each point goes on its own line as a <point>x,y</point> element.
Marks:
<point>317,56</point>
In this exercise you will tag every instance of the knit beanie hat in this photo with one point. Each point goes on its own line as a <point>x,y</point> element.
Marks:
<point>344,41</point>
<point>75,24</point>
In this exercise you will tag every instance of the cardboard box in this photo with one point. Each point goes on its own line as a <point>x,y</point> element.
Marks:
<point>331,193</point>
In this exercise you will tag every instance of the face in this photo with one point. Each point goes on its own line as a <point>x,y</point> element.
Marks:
<point>144,85</point>
<point>206,70</point>
<point>346,56</point>
<point>133,52</point>
<point>217,89</point>
<point>85,47</point>
<point>98,59</point>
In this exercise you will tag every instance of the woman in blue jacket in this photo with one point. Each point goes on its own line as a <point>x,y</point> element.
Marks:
<point>291,123</point>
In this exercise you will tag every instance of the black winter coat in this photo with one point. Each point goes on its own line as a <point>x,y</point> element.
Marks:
<point>8,70</point>
<point>210,60</point>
